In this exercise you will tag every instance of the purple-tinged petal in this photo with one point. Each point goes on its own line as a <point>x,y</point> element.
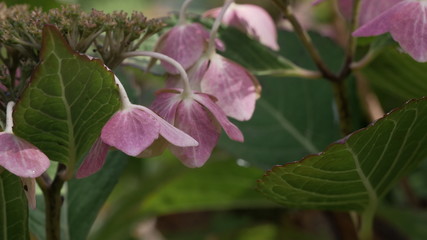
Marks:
<point>251,19</point>
<point>258,23</point>
<point>131,131</point>
<point>184,43</point>
<point>232,131</point>
<point>406,22</point>
<point>167,103</point>
<point>94,160</point>
<point>21,157</point>
<point>234,87</point>
<point>371,9</point>
<point>30,191</point>
<point>193,119</point>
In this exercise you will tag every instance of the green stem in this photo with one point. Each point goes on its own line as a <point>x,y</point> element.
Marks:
<point>367,220</point>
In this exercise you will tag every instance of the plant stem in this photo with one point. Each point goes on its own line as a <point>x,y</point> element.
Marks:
<point>340,94</point>
<point>53,203</point>
<point>367,220</point>
<point>306,41</point>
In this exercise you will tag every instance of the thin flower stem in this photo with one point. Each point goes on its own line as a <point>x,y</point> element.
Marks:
<point>187,88</point>
<point>352,41</point>
<point>306,41</point>
<point>214,30</point>
<point>182,12</point>
<point>9,120</point>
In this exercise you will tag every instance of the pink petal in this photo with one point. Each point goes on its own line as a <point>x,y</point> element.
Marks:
<point>251,19</point>
<point>371,9</point>
<point>258,23</point>
<point>195,121</point>
<point>21,157</point>
<point>184,43</point>
<point>406,21</point>
<point>131,131</point>
<point>234,87</point>
<point>166,104</point>
<point>30,191</point>
<point>94,160</point>
<point>232,131</point>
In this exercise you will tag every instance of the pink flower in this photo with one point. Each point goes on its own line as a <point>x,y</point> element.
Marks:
<point>235,88</point>
<point>185,43</point>
<point>406,23</point>
<point>251,19</point>
<point>198,116</point>
<point>131,130</point>
<point>21,158</point>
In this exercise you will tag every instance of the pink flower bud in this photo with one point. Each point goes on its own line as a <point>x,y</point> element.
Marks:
<point>251,19</point>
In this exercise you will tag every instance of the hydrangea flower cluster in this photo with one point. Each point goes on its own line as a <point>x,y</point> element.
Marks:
<point>187,117</point>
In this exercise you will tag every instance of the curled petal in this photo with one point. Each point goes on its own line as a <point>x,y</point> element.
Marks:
<point>193,119</point>
<point>232,131</point>
<point>94,160</point>
<point>21,157</point>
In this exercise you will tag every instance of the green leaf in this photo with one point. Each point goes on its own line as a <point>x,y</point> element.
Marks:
<point>398,75</point>
<point>219,185</point>
<point>357,171</point>
<point>162,186</point>
<point>294,116</point>
<point>13,208</point>
<point>251,54</point>
<point>69,99</point>
<point>86,196</point>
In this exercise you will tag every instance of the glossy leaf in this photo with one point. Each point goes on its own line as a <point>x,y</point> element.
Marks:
<point>357,171</point>
<point>294,116</point>
<point>13,208</point>
<point>68,100</point>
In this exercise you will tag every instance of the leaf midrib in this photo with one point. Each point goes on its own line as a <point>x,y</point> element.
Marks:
<point>72,147</point>
<point>288,127</point>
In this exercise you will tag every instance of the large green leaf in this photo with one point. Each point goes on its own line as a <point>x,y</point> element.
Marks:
<point>85,197</point>
<point>13,208</point>
<point>294,116</point>
<point>68,100</point>
<point>355,172</point>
